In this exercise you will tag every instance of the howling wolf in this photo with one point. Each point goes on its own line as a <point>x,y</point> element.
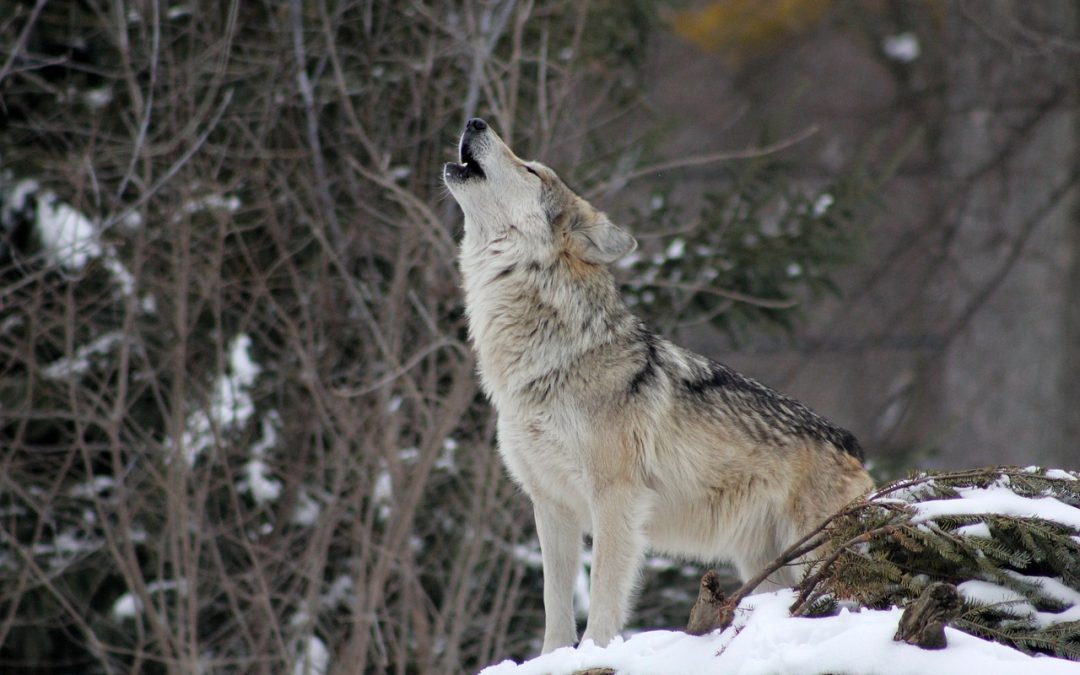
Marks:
<point>610,429</point>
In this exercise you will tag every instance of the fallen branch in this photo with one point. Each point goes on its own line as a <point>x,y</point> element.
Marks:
<point>710,611</point>
<point>709,596</point>
<point>923,622</point>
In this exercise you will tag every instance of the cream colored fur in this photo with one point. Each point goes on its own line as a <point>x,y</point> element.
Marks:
<point>609,429</point>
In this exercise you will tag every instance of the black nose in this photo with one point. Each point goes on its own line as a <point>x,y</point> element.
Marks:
<point>476,124</point>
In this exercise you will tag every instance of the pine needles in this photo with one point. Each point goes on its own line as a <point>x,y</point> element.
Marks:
<point>1008,538</point>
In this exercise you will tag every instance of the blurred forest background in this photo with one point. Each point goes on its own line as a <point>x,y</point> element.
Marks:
<point>240,429</point>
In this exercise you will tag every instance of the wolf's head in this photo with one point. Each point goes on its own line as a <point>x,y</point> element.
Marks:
<point>526,205</point>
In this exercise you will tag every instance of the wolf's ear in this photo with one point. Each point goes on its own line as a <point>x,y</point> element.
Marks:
<point>600,242</point>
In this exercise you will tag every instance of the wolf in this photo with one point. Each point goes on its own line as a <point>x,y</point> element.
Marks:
<point>610,429</point>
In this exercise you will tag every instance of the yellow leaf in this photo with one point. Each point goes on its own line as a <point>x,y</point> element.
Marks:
<point>741,28</point>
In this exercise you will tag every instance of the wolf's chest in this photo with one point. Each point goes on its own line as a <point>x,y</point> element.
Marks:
<point>544,453</point>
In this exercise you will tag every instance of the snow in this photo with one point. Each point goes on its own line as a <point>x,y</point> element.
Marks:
<point>986,593</point>
<point>765,640</point>
<point>65,548</point>
<point>1056,590</point>
<point>127,606</point>
<point>79,363</point>
<point>98,98</point>
<point>213,202</point>
<point>307,509</point>
<point>1001,500</point>
<point>629,261</point>
<point>258,482</point>
<point>15,199</point>
<point>340,593</point>
<point>132,220</point>
<point>313,657</point>
<point>979,530</point>
<point>122,277</point>
<point>446,462</point>
<point>178,12</point>
<point>1058,474</point>
<point>382,493</point>
<point>1012,602</point>
<point>93,487</point>
<point>257,479</point>
<point>244,369</point>
<point>1051,587</point>
<point>676,249</point>
<point>69,236</point>
<point>822,204</point>
<point>231,404</point>
<point>70,239</point>
<point>903,47</point>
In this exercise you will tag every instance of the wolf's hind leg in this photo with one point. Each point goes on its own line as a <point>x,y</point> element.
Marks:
<point>756,558</point>
<point>618,546</point>
<point>560,546</point>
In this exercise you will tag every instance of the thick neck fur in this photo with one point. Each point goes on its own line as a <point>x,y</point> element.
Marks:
<point>534,311</point>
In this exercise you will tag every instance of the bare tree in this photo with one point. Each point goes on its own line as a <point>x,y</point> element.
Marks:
<point>240,423</point>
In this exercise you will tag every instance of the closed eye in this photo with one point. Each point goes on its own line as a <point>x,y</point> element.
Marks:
<point>531,170</point>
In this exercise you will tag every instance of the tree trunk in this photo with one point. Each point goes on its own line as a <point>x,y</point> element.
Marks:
<point>1010,148</point>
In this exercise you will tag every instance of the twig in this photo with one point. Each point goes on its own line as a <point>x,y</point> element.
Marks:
<point>725,293</point>
<point>698,160</point>
<point>307,94</point>
<point>405,367</point>
<point>811,583</point>
<point>21,41</point>
<point>810,541</point>
<point>144,107</point>
<point>176,166</point>
<point>1016,250</point>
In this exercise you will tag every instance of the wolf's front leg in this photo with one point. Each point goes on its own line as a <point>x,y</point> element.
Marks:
<point>618,546</point>
<point>560,546</point>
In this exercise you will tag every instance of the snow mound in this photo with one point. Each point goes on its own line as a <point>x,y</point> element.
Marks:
<point>765,639</point>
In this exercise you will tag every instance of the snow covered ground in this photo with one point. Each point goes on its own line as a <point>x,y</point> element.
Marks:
<point>764,639</point>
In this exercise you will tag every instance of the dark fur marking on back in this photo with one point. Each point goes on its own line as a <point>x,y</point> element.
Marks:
<point>718,376</point>
<point>774,413</point>
<point>849,444</point>
<point>648,369</point>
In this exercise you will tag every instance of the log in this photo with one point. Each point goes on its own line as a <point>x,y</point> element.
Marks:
<point>923,622</point>
<point>711,610</point>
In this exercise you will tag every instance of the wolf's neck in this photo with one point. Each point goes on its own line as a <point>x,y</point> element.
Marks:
<point>531,318</point>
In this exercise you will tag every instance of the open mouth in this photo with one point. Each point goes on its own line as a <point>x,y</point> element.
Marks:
<point>468,168</point>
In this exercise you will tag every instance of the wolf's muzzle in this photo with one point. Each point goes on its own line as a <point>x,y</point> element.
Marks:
<point>469,166</point>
